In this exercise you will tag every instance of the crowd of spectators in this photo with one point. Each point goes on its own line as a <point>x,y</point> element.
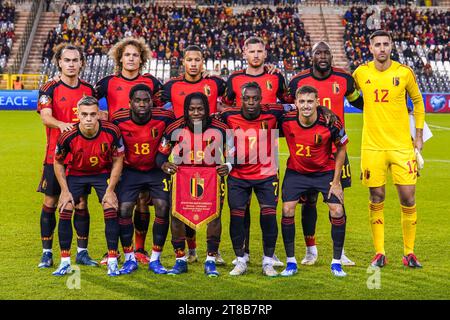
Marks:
<point>406,24</point>
<point>7,12</point>
<point>169,29</point>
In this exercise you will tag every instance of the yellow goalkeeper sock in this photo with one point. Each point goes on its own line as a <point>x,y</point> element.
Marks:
<point>409,222</point>
<point>376,216</point>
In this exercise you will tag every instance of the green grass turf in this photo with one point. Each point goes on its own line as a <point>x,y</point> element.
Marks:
<point>22,150</point>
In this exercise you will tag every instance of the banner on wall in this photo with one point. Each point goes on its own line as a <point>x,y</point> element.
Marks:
<point>434,103</point>
<point>26,100</point>
<point>18,100</point>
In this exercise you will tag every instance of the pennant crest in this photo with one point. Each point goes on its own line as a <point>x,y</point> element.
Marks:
<point>197,187</point>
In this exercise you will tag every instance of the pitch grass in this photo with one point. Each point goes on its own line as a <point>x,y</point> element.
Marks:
<point>21,153</point>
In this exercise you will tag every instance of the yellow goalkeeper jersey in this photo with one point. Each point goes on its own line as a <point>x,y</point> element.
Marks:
<point>386,121</point>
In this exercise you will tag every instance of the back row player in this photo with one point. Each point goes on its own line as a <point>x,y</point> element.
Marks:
<point>273,88</point>
<point>332,84</point>
<point>57,108</point>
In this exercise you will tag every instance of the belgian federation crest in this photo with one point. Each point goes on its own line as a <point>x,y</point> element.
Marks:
<point>207,90</point>
<point>154,132</point>
<point>269,85</point>
<point>317,139</point>
<point>264,125</point>
<point>336,88</point>
<point>104,147</point>
<point>395,81</point>
<point>197,187</point>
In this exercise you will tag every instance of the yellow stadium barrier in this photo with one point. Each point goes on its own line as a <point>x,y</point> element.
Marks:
<point>22,81</point>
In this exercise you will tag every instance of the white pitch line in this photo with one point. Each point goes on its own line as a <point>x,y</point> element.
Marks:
<point>439,127</point>
<point>284,154</point>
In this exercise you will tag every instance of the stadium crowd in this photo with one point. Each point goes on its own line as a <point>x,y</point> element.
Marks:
<point>7,12</point>
<point>168,30</point>
<point>413,26</point>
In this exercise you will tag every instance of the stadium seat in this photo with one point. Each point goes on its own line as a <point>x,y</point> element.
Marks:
<point>209,65</point>
<point>231,65</point>
<point>153,64</point>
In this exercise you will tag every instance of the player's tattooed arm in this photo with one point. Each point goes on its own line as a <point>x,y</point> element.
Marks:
<point>329,115</point>
<point>271,68</point>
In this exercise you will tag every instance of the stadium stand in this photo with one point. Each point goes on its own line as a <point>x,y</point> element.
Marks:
<point>7,16</point>
<point>421,39</point>
<point>220,27</point>
<point>168,29</point>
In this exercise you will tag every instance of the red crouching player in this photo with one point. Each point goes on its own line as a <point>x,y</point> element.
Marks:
<point>97,158</point>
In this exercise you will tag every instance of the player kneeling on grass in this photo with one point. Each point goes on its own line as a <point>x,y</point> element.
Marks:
<point>195,126</point>
<point>312,167</point>
<point>97,151</point>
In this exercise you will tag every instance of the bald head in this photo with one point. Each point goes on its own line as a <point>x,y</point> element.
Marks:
<point>321,45</point>
<point>322,57</point>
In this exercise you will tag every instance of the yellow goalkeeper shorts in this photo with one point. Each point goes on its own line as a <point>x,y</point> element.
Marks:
<point>376,163</point>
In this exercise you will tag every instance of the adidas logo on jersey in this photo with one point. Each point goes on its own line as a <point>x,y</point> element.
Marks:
<point>62,99</point>
<point>379,221</point>
<point>119,89</point>
<point>368,81</point>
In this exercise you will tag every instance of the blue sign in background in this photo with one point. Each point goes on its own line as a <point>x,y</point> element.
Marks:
<point>27,100</point>
<point>18,100</point>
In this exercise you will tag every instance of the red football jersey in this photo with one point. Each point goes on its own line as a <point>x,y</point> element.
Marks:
<point>195,149</point>
<point>116,90</point>
<point>90,155</point>
<point>62,100</point>
<point>254,142</point>
<point>273,86</point>
<point>332,89</point>
<point>142,140</point>
<point>176,90</point>
<point>310,148</point>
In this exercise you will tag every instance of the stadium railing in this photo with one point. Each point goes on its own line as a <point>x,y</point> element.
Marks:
<point>30,81</point>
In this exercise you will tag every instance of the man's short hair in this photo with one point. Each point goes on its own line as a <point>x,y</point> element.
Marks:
<point>87,101</point>
<point>380,33</point>
<point>249,85</point>
<point>192,47</point>
<point>254,40</point>
<point>58,51</point>
<point>306,90</point>
<point>139,87</point>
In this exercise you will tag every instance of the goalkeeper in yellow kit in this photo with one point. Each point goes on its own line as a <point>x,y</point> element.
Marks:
<point>386,141</point>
